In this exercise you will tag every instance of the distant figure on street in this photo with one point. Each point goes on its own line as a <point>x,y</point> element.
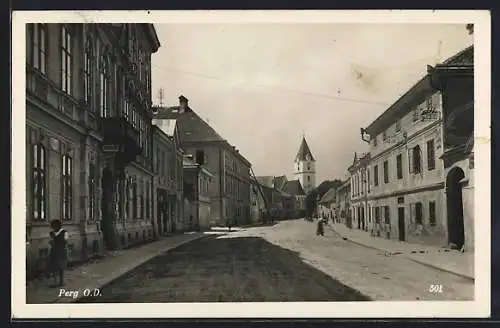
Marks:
<point>320,231</point>
<point>228,224</point>
<point>58,252</point>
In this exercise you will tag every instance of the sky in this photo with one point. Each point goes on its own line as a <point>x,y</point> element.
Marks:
<point>263,86</point>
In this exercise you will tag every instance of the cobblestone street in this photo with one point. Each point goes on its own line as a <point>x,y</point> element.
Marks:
<point>240,266</point>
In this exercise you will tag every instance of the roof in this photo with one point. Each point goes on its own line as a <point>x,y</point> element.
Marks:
<point>329,196</point>
<point>152,37</point>
<point>416,94</point>
<point>304,150</point>
<point>294,187</point>
<point>464,57</point>
<point>279,182</point>
<point>266,181</point>
<point>363,160</point>
<point>191,127</point>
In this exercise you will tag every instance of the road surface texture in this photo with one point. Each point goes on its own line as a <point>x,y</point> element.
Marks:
<point>284,262</point>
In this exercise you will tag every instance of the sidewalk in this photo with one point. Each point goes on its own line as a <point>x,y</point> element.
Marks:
<point>101,272</point>
<point>452,261</point>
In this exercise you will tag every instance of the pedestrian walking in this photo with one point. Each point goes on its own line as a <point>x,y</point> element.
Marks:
<point>320,231</point>
<point>58,252</point>
<point>228,224</point>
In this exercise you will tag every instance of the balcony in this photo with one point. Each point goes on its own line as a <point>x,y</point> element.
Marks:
<point>120,137</point>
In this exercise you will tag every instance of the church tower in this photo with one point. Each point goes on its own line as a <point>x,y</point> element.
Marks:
<point>305,169</point>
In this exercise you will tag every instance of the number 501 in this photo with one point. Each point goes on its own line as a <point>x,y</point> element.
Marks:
<point>436,289</point>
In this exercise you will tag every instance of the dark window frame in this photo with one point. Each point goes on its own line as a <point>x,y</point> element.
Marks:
<point>431,155</point>
<point>39,187</point>
<point>38,53</point>
<point>67,187</point>
<point>375,175</point>
<point>399,166</point>
<point>67,47</point>
<point>386,171</point>
<point>432,213</point>
<point>419,213</point>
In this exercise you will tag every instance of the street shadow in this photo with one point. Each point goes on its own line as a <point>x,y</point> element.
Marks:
<point>246,269</point>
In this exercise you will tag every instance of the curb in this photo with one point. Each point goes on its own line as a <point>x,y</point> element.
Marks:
<point>435,267</point>
<point>432,266</point>
<point>105,282</point>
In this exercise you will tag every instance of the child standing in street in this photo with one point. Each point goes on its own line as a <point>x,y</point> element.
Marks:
<point>58,251</point>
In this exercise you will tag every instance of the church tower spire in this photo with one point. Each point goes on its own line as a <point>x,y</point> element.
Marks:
<point>304,166</point>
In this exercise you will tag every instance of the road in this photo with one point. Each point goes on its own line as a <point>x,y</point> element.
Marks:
<point>284,262</point>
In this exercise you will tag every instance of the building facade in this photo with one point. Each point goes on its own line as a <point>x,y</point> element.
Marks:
<point>455,79</point>
<point>258,208</point>
<point>229,188</point>
<point>360,175</point>
<point>169,162</point>
<point>294,188</point>
<point>343,211</point>
<point>88,125</point>
<point>305,167</point>
<point>406,196</point>
<point>196,182</point>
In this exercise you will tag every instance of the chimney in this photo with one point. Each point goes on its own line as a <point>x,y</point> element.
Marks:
<point>183,104</point>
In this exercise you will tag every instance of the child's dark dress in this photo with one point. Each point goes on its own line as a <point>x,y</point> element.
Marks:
<point>58,252</point>
<point>320,230</point>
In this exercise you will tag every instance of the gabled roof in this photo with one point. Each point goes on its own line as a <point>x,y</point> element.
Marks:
<point>191,127</point>
<point>279,182</point>
<point>329,196</point>
<point>464,57</point>
<point>304,150</point>
<point>294,187</point>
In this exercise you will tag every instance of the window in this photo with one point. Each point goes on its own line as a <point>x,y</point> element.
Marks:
<point>147,199</point>
<point>87,69</point>
<point>375,141</point>
<point>200,157</point>
<point>384,136</point>
<point>37,55</point>
<point>104,85</point>
<point>375,175</point>
<point>368,179</point>
<point>431,158</point>
<point>418,213</point>
<point>308,166</point>
<point>39,183</point>
<point>416,114</point>
<point>67,187</point>
<point>387,215</point>
<point>308,178</point>
<point>128,189</point>
<point>416,160</point>
<point>386,172</point>
<point>142,191</point>
<point>399,166</point>
<point>432,213</point>
<point>92,191</point>
<point>377,214</point>
<point>398,126</point>
<point>134,200</point>
<point>66,60</point>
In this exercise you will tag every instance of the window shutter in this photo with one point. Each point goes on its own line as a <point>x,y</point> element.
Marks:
<point>410,161</point>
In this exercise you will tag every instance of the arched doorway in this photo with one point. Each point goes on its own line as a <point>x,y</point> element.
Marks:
<point>454,205</point>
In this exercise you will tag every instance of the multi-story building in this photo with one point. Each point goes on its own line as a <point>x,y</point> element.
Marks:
<point>196,181</point>
<point>294,188</point>
<point>406,196</point>
<point>230,186</point>
<point>327,204</point>
<point>305,167</point>
<point>88,145</point>
<point>343,212</point>
<point>169,160</point>
<point>360,188</point>
<point>455,79</point>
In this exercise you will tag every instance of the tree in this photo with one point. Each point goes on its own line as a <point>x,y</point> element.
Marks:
<point>312,196</point>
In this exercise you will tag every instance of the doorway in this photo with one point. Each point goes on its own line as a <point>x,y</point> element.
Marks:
<point>159,210</point>
<point>108,208</point>
<point>454,205</point>
<point>401,223</point>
